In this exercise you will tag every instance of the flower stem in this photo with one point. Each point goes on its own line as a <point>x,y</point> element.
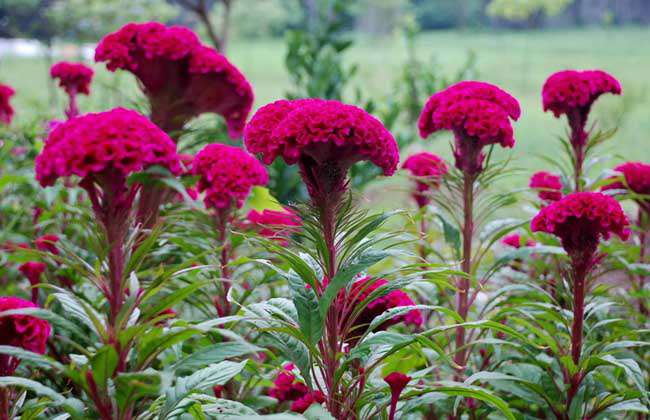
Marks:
<point>222,227</point>
<point>644,224</point>
<point>4,403</point>
<point>462,283</point>
<point>580,269</point>
<point>72,110</point>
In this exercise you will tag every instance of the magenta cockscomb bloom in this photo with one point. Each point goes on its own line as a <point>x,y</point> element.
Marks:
<point>47,243</point>
<point>580,220</point>
<point>303,403</point>
<point>6,110</point>
<point>397,381</point>
<point>274,224</point>
<point>24,331</point>
<point>478,113</point>
<point>33,270</point>
<point>227,174</point>
<point>572,93</point>
<point>74,78</point>
<point>548,185</point>
<point>286,386</point>
<point>428,169</point>
<point>325,138</point>
<point>635,178</point>
<point>181,77</point>
<point>515,240</point>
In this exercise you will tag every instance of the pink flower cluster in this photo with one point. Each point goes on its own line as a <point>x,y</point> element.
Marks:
<point>287,388</point>
<point>636,177</point>
<point>117,141</point>
<point>181,77</point>
<point>274,224</point>
<point>567,91</point>
<point>74,78</point>
<point>322,131</point>
<point>515,240</point>
<point>581,219</point>
<point>47,243</point>
<point>227,175</point>
<point>24,331</point>
<point>548,185</point>
<point>478,113</point>
<point>429,170</point>
<point>6,110</point>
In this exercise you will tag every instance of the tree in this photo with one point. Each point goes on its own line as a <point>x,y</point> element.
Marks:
<point>202,9</point>
<point>532,11</point>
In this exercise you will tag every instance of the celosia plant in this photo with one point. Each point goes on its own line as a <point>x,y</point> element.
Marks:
<point>75,79</point>
<point>428,170</point>
<point>516,240</point>
<point>572,93</point>
<point>397,381</point>
<point>547,185</point>
<point>6,110</point>
<point>181,77</point>
<point>274,224</point>
<point>33,271</point>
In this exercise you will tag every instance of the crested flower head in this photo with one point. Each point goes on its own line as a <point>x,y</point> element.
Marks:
<point>47,243</point>
<point>397,381</point>
<point>478,113</point>
<point>117,142</point>
<point>428,169</point>
<point>548,185</point>
<point>303,403</point>
<point>516,240</point>
<point>6,110</point>
<point>74,78</point>
<point>24,331</point>
<point>581,219</point>
<point>325,137</point>
<point>181,77</point>
<point>568,90</point>
<point>227,175</point>
<point>635,177</point>
<point>274,224</point>
<point>286,387</point>
<point>32,270</point>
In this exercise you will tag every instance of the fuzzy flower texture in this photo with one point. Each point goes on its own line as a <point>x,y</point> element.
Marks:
<point>580,220</point>
<point>548,185</point>
<point>478,113</point>
<point>74,78</point>
<point>274,224</point>
<point>181,77</point>
<point>286,387</point>
<point>6,110</point>
<point>428,169</point>
<point>227,175</point>
<point>24,331</point>
<point>635,178</point>
<point>104,145</point>
<point>515,240</point>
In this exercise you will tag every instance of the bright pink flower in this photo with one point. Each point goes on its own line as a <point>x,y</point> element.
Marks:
<point>47,243</point>
<point>274,224</point>
<point>99,147</point>
<point>303,403</point>
<point>479,115</point>
<point>636,178</point>
<point>33,271</point>
<point>581,219</point>
<point>181,77</point>
<point>549,185</point>
<point>6,110</point>
<point>286,387</point>
<point>397,381</point>
<point>74,78</point>
<point>24,331</point>
<point>515,240</point>
<point>429,170</point>
<point>227,174</point>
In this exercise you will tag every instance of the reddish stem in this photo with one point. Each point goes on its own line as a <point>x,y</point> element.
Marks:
<point>644,224</point>
<point>222,227</point>
<point>72,110</point>
<point>4,403</point>
<point>580,270</point>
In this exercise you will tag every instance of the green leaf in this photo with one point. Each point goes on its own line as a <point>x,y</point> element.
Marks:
<point>41,390</point>
<point>134,386</point>
<point>306,303</point>
<point>215,353</point>
<point>103,365</point>
<point>451,234</point>
<point>261,199</point>
<point>206,378</point>
<point>35,358</point>
<point>470,391</point>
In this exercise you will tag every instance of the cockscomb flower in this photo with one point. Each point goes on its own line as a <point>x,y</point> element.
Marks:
<point>580,220</point>
<point>478,113</point>
<point>572,93</point>
<point>74,78</point>
<point>227,175</point>
<point>6,110</point>
<point>47,243</point>
<point>286,387</point>
<point>360,290</point>
<point>274,224</point>
<point>397,381</point>
<point>516,240</point>
<point>548,185</point>
<point>33,271</point>
<point>181,77</point>
<point>635,177</point>
<point>310,398</point>
<point>325,137</point>
<point>428,169</point>
<point>100,147</point>
<point>24,331</point>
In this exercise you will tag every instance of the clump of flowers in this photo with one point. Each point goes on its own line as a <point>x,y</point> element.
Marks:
<point>227,175</point>
<point>75,79</point>
<point>286,387</point>
<point>6,110</point>
<point>478,113</point>
<point>397,381</point>
<point>428,170</point>
<point>274,224</point>
<point>515,240</point>
<point>180,77</point>
<point>547,185</point>
<point>24,331</point>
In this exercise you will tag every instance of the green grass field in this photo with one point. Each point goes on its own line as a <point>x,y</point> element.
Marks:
<point>517,61</point>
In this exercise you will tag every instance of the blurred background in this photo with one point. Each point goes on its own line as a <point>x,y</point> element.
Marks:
<point>385,55</point>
